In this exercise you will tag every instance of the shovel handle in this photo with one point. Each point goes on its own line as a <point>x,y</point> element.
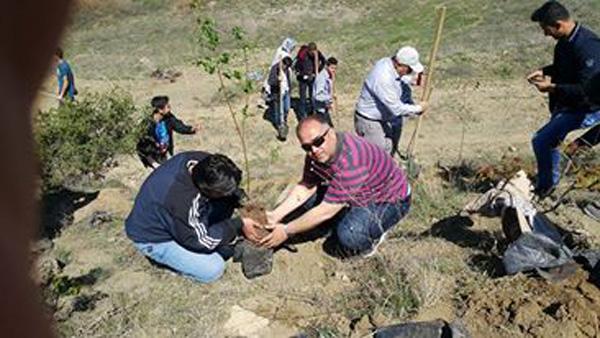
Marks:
<point>427,88</point>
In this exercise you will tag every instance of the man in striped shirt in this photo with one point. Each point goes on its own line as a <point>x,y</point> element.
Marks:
<point>349,178</point>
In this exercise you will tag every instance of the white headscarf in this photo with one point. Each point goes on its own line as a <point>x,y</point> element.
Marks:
<point>286,49</point>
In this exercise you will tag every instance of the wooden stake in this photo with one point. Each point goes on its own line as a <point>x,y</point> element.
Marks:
<point>334,103</point>
<point>283,78</point>
<point>427,88</point>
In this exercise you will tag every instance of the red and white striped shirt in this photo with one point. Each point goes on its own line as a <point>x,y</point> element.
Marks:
<point>360,173</point>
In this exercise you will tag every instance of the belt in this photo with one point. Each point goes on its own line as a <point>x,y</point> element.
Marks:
<point>366,118</point>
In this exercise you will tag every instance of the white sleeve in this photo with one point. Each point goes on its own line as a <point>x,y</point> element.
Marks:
<point>389,95</point>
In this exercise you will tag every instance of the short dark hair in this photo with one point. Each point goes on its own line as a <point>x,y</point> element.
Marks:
<point>332,61</point>
<point>312,46</point>
<point>59,52</point>
<point>159,102</point>
<point>315,118</point>
<point>217,176</point>
<point>287,61</point>
<point>592,89</point>
<point>550,13</point>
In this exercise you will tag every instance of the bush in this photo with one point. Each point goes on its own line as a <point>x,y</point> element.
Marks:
<point>80,139</point>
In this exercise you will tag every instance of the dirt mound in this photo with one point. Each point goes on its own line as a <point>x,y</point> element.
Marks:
<point>256,212</point>
<point>522,306</point>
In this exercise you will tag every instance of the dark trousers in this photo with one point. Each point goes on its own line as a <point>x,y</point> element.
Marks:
<point>305,106</point>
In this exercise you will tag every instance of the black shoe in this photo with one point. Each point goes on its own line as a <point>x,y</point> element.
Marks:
<point>334,248</point>
<point>542,193</point>
<point>282,132</point>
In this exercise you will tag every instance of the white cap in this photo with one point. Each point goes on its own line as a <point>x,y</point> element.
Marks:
<point>410,57</point>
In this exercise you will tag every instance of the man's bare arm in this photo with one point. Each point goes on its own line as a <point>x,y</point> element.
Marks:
<point>299,194</point>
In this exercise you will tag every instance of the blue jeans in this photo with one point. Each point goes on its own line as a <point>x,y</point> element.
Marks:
<point>204,268</point>
<point>545,146</point>
<point>360,228</point>
<point>277,115</point>
<point>357,229</point>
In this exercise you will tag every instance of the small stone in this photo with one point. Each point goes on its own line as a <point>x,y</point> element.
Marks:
<point>99,217</point>
<point>244,323</point>
<point>512,149</point>
<point>341,276</point>
<point>379,319</point>
<point>362,327</point>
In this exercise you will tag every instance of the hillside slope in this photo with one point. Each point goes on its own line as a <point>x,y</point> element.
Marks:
<point>436,265</point>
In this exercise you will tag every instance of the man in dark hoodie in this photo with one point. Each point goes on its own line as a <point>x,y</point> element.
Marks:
<point>576,60</point>
<point>182,216</point>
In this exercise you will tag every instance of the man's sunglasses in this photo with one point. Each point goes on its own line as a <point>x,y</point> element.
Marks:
<point>317,142</point>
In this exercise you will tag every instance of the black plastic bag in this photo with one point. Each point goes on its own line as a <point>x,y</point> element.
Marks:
<point>533,251</point>
<point>432,329</point>
<point>256,261</point>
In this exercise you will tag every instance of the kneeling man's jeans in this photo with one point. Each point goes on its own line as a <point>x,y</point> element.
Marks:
<point>204,268</point>
<point>360,228</point>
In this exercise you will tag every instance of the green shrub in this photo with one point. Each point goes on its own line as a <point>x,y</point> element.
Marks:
<point>80,139</point>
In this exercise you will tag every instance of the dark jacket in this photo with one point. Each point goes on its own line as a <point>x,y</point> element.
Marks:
<point>305,65</point>
<point>576,60</point>
<point>273,79</point>
<point>175,124</point>
<point>169,207</point>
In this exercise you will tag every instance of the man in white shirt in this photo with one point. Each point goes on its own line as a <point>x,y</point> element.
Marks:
<point>382,105</point>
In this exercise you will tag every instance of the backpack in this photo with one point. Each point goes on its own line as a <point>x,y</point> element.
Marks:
<point>300,57</point>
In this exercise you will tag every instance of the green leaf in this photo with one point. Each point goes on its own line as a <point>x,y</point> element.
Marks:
<point>238,33</point>
<point>224,58</point>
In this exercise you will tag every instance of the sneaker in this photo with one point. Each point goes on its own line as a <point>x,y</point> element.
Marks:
<point>375,246</point>
<point>593,210</point>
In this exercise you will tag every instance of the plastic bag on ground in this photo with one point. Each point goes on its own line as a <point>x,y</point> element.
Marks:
<point>256,261</point>
<point>432,329</point>
<point>534,250</point>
